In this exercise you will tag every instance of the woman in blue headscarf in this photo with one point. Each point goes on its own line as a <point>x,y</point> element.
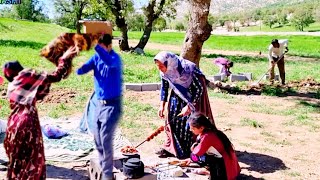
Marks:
<point>188,94</point>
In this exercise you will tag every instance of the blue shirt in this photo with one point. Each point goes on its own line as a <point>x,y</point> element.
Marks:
<point>107,69</point>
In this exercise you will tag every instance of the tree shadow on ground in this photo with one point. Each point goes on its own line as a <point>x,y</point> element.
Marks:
<point>29,44</point>
<point>237,59</point>
<point>260,163</point>
<point>246,177</point>
<point>4,28</point>
<point>65,173</point>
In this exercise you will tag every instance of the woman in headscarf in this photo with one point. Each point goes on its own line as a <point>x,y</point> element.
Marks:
<point>23,142</point>
<point>188,94</point>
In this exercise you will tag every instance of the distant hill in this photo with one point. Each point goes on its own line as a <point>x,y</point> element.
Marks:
<point>230,6</point>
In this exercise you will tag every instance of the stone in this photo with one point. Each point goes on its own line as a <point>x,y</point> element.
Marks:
<point>134,86</point>
<point>149,87</point>
<point>248,75</point>
<point>234,77</point>
<point>276,77</point>
<point>139,51</point>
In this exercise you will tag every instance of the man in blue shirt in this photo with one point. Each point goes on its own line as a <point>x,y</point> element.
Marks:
<point>107,67</point>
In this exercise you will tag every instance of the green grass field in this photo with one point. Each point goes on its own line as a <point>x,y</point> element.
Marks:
<point>287,28</point>
<point>23,40</point>
<point>306,46</point>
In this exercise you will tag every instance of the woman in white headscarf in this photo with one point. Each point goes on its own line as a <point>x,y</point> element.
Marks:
<point>189,94</point>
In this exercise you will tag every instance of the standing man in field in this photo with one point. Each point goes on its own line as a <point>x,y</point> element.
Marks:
<point>107,67</point>
<point>277,49</point>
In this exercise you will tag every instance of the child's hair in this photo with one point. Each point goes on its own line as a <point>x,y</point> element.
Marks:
<point>231,64</point>
<point>198,120</point>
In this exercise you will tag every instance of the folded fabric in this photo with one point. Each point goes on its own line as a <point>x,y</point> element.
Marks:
<point>53,132</point>
<point>58,46</point>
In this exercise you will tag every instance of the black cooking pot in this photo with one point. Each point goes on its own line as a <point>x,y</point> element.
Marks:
<point>133,168</point>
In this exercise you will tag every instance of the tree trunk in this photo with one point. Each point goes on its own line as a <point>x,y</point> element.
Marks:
<point>198,32</point>
<point>145,37</point>
<point>123,42</point>
<point>78,25</point>
<point>152,15</point>
<point>121,24</point>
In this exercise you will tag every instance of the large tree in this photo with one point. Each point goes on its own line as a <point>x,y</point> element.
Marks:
<point>74,8</point>
<point>302,18</point>
<point>198,32</point>
<point>153,10</point>
<point>30,10</point>
<point>119,9</point>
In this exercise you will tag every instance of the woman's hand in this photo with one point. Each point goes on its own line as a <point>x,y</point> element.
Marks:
<point>161,112</point>
<point>185,111</point>
<point>161,109</point>
<point>186,162</point>
<point>71,52</point>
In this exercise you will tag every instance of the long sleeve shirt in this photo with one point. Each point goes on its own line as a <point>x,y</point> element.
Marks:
<point>222,63</point>
<point>210,144</point>
<point>195,89</point>
<point>107,69</point>
<point>277,52</point>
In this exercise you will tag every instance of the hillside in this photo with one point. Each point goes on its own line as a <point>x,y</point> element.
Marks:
<point>229,6</point>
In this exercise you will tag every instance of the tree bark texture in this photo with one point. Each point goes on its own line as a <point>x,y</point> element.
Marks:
<point>198,32</point>
<point>121,24</point>
<point>152,15</point>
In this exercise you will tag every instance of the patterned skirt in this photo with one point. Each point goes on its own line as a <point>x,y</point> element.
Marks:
<point>24,145</point>
<point>180,138</point>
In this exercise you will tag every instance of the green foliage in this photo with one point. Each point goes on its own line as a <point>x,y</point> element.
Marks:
<point>98,11</point>
<point>67,20</point>
<point>160,24</point>
<point>136,22</point>
<point>30,10</point>
<point>180,26</point>
<point>270,20</point>
<point>317,14</point>
<point>302,18</point>
<point>70,10</point>
<point>213,20</point>
<point>250,122</point>
<point>7,12</point>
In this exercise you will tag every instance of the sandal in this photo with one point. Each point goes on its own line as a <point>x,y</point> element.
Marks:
<point>163,153</point>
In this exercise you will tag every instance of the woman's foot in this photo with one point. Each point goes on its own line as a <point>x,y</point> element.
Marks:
<point>201,171</point>
<point>163,153</point>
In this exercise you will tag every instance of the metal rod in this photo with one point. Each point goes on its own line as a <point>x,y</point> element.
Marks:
<point>140,144</point>
<point>166,123</point>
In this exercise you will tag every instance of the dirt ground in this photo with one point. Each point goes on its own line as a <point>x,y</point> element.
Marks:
<point>273,149</point>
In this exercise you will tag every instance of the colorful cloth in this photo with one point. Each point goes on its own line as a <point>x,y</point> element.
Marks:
<point>211,145</point>
<point>180,73</point>
<point>179,70</point>
<point>23,142</point>
<point>179,137</point>
<point>222,63</point>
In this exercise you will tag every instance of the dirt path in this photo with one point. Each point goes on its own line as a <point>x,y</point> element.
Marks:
<point>176,48</point>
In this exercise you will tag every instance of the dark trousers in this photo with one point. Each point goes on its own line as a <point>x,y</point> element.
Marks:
<point>217,168</point>
<point>282,73</point>
<point>106,119</point>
